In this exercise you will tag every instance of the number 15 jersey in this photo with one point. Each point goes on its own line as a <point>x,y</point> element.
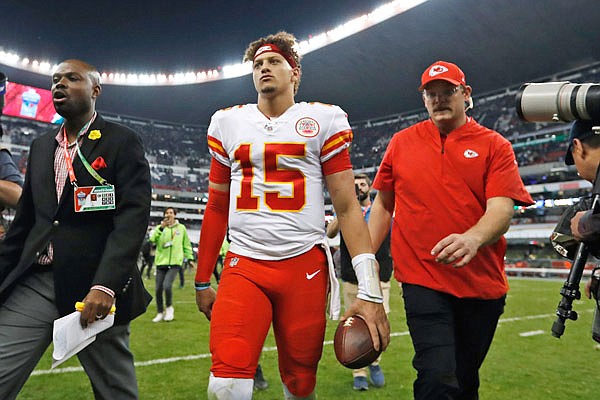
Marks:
<point>276,203</point>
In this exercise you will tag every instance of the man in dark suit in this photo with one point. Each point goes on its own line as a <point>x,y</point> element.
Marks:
<point>76,235</point>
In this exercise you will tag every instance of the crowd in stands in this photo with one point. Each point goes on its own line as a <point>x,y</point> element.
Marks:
<point>180,161</point>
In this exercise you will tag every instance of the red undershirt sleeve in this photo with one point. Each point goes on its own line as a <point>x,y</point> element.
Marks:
<point>337,163</point>
<point>219,173</point>
<point>214,223</point>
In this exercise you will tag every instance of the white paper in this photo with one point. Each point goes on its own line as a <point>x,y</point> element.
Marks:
<point>70,338</point>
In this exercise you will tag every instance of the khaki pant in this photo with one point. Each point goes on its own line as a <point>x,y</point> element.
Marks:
<point>350,292</point>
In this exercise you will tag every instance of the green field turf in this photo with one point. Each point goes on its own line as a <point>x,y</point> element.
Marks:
<point>172,360</point>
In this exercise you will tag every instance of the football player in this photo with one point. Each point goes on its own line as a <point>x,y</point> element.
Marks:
<point>269,163</point>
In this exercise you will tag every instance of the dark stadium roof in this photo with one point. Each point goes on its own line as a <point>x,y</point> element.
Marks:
<point>374,73</point>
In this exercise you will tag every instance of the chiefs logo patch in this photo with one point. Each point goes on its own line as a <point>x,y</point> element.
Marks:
<point>470,153</point>
<point>437,69</point>
<point>307,127</point>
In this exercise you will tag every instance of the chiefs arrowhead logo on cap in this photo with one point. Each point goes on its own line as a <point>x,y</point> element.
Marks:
<point>437,69</point>
<point>445,71</point>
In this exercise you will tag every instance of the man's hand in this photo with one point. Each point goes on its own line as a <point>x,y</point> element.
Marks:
<point>205,300</point>
<point>376,319</point>
<point>97,306</point>
<point>462,247</point>
<point>575,225</point>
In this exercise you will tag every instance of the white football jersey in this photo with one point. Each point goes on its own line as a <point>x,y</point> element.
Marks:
<point>276,207</point>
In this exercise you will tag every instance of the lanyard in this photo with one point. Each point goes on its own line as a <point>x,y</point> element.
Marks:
<point>366,210</point>
<point>85,163</point>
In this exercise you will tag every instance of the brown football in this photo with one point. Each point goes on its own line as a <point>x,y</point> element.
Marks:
<point>353,344</point>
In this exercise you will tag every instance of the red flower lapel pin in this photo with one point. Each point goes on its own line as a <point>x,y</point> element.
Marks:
<point>99,163</point>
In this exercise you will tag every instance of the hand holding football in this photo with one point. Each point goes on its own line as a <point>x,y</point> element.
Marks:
<point>353,344</point>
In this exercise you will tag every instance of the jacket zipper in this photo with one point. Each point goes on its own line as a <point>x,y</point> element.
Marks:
<point>443,139</point>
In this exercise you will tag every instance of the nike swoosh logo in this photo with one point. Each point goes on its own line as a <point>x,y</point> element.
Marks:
<point>310,276</point>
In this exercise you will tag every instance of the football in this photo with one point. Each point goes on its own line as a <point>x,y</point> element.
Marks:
<point>353,344</point>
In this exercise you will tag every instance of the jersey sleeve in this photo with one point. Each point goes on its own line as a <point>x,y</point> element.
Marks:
<point>503,178</point>
<point>215,140</point>
<point>339,134</point>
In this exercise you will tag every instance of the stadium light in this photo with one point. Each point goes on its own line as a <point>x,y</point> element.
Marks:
<point>314,42</point>
<point>233,71</point>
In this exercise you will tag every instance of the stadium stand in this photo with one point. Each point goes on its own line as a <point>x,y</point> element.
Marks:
<point>180,162</point>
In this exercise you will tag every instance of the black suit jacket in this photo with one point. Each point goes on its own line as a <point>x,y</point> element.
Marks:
<point>90,248</point>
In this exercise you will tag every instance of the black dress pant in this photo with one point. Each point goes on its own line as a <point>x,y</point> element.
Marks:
<point>451,337</point>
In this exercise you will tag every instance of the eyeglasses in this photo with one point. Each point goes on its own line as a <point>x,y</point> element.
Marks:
<point>443,95</point>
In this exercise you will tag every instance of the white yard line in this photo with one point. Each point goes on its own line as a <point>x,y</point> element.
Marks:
<point>532,333</point>
<point>273,348</point>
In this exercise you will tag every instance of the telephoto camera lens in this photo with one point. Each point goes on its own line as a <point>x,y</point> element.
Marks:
<point>558,101</point>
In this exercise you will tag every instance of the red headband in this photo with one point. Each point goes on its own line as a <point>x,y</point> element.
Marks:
<point>272,48</point>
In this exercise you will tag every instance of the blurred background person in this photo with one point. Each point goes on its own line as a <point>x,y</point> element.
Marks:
<point>147,253</point>
<point>220,259</point>
<point>10,178</point>
<point>172,246</point>
<point>362,184</point>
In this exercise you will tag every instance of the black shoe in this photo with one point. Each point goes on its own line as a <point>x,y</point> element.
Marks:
<point>259,380</point>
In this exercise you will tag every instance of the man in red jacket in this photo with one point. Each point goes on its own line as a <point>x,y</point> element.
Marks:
<point>452,184</point>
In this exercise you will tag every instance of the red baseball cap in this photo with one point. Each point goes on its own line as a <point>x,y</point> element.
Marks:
<point>445,71</point>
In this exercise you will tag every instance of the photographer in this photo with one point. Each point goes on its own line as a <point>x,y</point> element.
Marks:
<point>172,246</point>
<point>584,152</point>
<point>350,283</point>
<point>10,178</point>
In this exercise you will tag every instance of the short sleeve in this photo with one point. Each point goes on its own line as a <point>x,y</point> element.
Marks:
<point>384,179</point>
<point>503,179</point>
<point>215,141</point>
<point>338,134</point>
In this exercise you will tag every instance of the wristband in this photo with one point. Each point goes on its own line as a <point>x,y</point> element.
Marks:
<point>201,286</point>
<point>365,268</point>
<point>103,289</point>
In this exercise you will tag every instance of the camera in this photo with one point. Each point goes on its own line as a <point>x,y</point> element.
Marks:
<point>558,101</point>
<point>565,102</point>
